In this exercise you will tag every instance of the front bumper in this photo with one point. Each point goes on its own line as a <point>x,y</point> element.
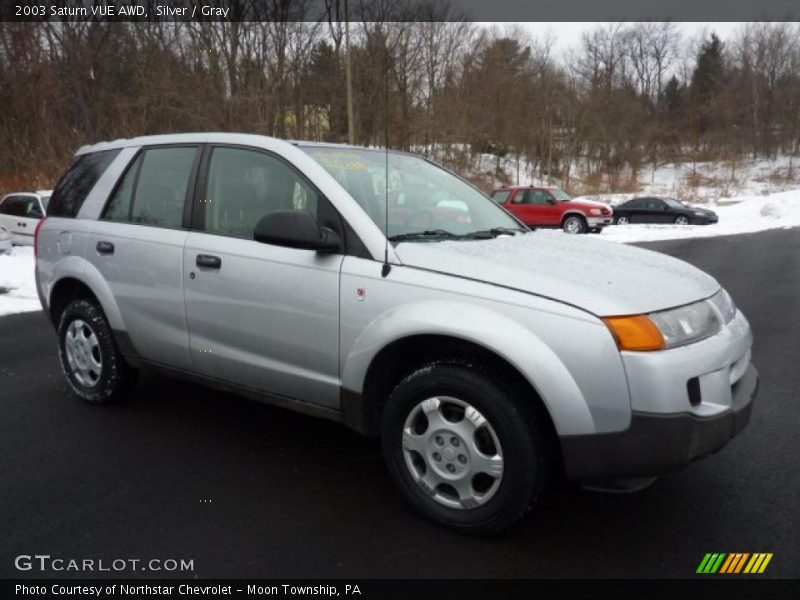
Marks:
<point>599,221</point>
<point>658,443</point>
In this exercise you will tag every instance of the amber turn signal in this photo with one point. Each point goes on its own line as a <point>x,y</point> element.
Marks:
<point>635,333</point>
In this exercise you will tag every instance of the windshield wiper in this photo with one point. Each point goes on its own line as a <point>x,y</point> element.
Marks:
<point>494,232</point>
<point>428,233</point>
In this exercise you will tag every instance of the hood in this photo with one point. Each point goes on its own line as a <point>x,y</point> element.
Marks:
<point>604,278</point>
<point>587,202</point>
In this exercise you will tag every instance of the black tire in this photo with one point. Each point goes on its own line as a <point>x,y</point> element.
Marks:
<point>574,224</point>
<point>682,220</point>
<point>625,220</point>
<point>527,452</point>
<point>115,377</point>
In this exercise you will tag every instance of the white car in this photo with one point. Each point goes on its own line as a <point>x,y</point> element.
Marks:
<point>20,212</point>
<point>5,241</point>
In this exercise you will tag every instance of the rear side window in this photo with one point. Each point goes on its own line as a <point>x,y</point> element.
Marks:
<point>73,187</point>
<point>17,206</point>
<point>153,189</point>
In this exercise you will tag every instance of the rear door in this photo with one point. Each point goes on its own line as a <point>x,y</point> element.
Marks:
<point>137,245</point>
<point>19,214</point>
<point>261,315</point>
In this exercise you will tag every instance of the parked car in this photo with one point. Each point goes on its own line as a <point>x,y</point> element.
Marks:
<point>486,356</point>
<point>662,210</point>
<point>5,241</point>
<point>20,212</point>
<point>553,207</point>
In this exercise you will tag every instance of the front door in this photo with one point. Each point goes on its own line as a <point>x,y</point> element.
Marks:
<point>260,315</point>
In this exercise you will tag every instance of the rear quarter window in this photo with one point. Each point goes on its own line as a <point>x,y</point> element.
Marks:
<point>73,187</point>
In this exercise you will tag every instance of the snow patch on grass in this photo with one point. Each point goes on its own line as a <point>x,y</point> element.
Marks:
<point>17,282</point>
<point>744,214</point>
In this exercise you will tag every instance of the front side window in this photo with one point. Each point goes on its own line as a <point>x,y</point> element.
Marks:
<point>74,186</point>
<point>654,204</point>
<point>153,189</point>
<point>246,185</point>
<point>420,196</point>
<point>539,197</point>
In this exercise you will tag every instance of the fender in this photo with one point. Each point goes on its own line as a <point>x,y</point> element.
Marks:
<point>572,211</point>
<point>487,328</point>
<point>85,272</point>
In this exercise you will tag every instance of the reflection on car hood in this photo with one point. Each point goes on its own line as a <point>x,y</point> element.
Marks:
<point>587,202</point>
<point>604,278</point>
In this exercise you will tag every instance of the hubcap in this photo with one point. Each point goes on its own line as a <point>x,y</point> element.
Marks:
<point>83,353</point>
<point>622,221</point>
<point>682,221</point>
<point>572,225</point>
<point>452,452</point>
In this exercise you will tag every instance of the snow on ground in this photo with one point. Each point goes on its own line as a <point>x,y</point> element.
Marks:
<point>17,283</point>
<point>746,214</point>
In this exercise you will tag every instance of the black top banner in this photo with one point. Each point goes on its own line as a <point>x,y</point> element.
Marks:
<point>399,10</point>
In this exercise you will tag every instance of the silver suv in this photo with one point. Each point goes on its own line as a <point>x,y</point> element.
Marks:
<point>380,290</point>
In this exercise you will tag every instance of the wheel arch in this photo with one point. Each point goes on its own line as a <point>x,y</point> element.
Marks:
<point>88,284</point>
<point>379,361</point>
<point>573,212</point>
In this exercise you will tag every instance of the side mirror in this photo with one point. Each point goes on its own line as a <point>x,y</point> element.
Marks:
<point>551,200</point>
<point>296,229</point>
<point>35,213</point>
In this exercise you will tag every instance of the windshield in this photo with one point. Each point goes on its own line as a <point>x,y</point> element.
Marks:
<point>560,194</point>
<point>675,203</point>
<point>422,198</point>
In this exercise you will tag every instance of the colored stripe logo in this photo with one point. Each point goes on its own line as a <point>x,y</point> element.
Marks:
<point>734,563</point>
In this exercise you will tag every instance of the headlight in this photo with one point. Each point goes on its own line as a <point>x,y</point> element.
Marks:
<point>697,213</point>
<point>596,211</point>
<point>724,303</point>
<point>687,324</point>
<point>4,235</point>
<point>666,328</point>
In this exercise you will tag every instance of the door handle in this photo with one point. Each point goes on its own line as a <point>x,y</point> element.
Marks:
<point>206,261</point>
<point>105,248</point>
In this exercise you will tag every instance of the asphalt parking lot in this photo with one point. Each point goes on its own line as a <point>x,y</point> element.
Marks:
<point>246,490</point>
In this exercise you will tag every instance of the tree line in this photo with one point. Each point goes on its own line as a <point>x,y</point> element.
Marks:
<point>626,96</point>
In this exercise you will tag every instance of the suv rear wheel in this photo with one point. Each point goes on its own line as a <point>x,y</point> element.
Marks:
<point>574,224</point>
<point>92,364</point>
<point>463,450</point>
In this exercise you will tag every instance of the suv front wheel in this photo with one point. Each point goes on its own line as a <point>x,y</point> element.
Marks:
<point>574,224</point>
<point>463,450</point>
<point>92,364</point>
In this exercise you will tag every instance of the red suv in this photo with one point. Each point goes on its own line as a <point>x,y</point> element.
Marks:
<point>553,207</point>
